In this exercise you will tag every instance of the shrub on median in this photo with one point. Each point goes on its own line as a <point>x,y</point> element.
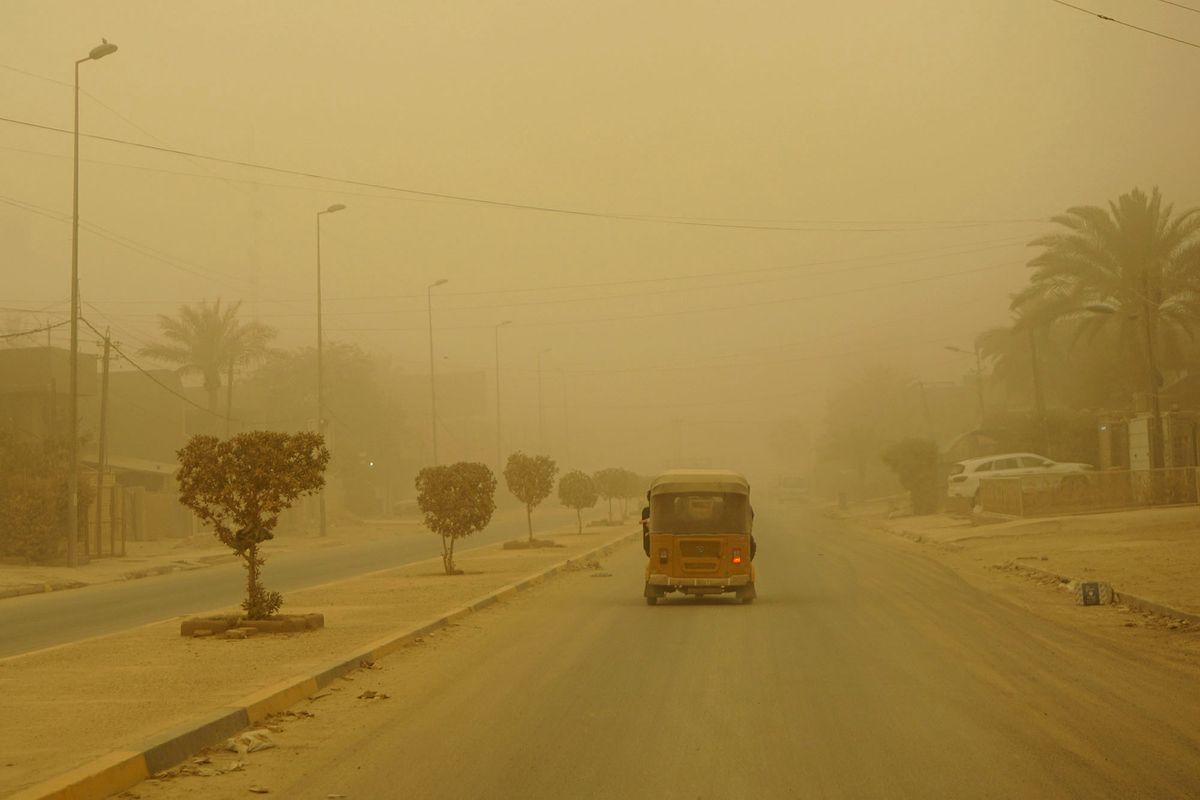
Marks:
<point>457,500</point>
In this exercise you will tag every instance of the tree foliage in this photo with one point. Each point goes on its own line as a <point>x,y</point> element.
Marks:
<point>610,484</point>
<point>241,485</point>
<point>577,490</point>
<point>457,501</point>
<point>361,418</point>
<point>530,479</point>
<point>33,496</point>
<point>915,462</point>
<point>208,340</point>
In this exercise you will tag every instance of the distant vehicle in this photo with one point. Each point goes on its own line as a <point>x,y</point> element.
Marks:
<point>965,476</point>
<point>698,535</point>
<point>792,489</point>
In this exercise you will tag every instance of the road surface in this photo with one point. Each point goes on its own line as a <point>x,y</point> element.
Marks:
<point>865,670</point>
<point>33,622</point>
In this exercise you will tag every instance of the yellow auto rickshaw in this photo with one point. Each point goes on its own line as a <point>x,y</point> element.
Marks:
<point>698,535</point>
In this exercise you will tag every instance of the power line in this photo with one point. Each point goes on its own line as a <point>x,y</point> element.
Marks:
<point>575,212</point>
<point>1181,5</point>
<point>1106,18</point>
<point>161,385</point>
<point>33,331</point>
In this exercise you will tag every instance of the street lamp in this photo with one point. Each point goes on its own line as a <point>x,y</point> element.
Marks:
<point>320,348</point>
<point>432,387</point>
<point>499,436</point>
<point>541,427</point>
<point>1154,436</point>
<point>105,48</point>
<point>978,375</point>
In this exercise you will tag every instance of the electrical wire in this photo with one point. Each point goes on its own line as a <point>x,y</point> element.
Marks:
<point>483,201</point>
<point>1106,18</point>
<point>161,385</point>
<point>1181,5</point>
<point>32,331</point>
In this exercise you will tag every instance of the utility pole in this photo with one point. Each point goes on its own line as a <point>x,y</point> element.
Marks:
<point>1155,437</point>
<point>97,52</point>
<point>541,405</point>
<point>499,430</point>
<point>1039,399</point>
<point>101,452</point>
<point>432,376</point>
<point>229,400</point>
<point>333,209</point>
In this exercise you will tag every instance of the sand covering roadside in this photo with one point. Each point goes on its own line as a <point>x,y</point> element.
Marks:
<point>172,555</point>
<point>70,704</point>
<point>1152,553</point>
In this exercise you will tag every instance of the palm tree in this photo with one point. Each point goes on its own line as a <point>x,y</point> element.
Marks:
<point>1135,266</point>
<point>206,339</point>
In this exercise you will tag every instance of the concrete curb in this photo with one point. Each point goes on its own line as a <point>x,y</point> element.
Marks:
<point>21,589</point>
<point>123,769</point>
<point>1119,597</point>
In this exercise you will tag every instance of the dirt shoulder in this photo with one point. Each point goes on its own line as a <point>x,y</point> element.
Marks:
<point>1151,553</point>
<point>77,702</point>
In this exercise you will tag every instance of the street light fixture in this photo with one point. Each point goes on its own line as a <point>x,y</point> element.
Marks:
<point>320,351</point>
<point>432,387</point>
<point>499,435</point>
<point>105,48</point>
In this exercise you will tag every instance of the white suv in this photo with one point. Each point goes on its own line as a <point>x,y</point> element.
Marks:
<point>966,475</point>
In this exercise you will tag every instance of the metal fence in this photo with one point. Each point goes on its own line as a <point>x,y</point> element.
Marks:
<point>1048,494</point>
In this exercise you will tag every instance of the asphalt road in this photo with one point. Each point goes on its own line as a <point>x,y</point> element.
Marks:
<point>864,670</point>
<point>33,622</point>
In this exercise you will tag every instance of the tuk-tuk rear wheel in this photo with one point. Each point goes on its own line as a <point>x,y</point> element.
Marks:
<point>651,601</point>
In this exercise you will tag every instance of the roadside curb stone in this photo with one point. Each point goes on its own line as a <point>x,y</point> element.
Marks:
<point>123,769</point>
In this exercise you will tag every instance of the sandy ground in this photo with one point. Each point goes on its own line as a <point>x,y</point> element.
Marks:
<point>69,704</point>
<point>1151,553</point>
<point>194,552</point>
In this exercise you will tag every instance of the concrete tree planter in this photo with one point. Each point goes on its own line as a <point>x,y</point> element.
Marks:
<point>232,626</point>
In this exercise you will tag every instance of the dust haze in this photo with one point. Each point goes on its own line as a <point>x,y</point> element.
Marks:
<point>680,229</point>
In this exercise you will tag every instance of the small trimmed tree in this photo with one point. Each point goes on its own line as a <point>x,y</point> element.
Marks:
<point>241,485</point>
<point>530,479</point>
<point>609,484</point>
<point>457,501</point>
<point>577,490</point>
<point>915,462</point>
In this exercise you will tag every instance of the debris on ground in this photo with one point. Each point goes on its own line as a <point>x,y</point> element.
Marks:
<point>600,575</point>
<point>250,742</point>
<point>260,789</point>
<point>371,694</point>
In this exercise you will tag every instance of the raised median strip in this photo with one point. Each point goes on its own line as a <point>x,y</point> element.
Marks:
<point>122,769</point>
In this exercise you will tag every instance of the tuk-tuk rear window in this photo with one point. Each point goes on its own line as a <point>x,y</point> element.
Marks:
<point>700,513</point>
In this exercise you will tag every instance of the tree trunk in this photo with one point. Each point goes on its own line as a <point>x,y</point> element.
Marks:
<point>610,510</point>
<point>448,555</point>
<point>252,587</point>
<point>579,518</point>
<point>529,520</point>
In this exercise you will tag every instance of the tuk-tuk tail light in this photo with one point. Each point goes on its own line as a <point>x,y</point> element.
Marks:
<point>737,555</point>
<point>662,555</point>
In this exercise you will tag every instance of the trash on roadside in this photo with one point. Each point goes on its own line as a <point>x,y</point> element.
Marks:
<point>250,742</point>
<point>260,790</point>
<point>371,694</point>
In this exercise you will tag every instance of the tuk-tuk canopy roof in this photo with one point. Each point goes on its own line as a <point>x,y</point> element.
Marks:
<point>700,480</point>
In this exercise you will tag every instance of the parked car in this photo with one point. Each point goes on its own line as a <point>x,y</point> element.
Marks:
<point>965,476</point>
